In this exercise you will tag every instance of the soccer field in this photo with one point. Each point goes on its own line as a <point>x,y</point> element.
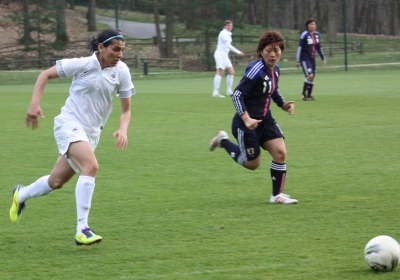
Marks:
<point>168,208</point>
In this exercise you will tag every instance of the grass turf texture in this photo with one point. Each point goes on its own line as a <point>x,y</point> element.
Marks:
<point>168,208</point>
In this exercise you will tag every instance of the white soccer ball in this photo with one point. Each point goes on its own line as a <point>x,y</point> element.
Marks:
<point>382,253</point>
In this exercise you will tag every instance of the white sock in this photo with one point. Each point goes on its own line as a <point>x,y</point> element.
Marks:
<point>217,83</point>
<point>36,189</point>
<point>229,83</point>
<point>83,194</point>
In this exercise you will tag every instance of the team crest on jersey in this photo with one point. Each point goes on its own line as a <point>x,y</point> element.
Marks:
<point>113,75</point>
<point>250,151</point>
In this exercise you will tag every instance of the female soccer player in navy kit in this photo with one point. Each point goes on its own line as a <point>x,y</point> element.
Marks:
<point>310,41</point>
<point>78,127</point>
<point>253,125</point>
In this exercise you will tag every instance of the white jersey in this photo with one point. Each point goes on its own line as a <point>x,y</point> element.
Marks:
<point>92,90</point>
<point>225,41</point>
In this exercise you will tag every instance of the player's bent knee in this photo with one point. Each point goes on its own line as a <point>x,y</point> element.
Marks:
<point>90,169</point>
<point>252,165</point>
<point>56,183</point>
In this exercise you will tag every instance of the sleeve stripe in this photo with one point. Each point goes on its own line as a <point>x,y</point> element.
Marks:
<point>254,70</point>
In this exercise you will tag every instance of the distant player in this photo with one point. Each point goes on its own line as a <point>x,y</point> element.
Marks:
<point>253,125</point>
<point>310,41</point>
<point>78,127</point>
<point>222,61</point>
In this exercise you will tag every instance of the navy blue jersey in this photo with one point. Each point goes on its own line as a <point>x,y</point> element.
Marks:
<point>308,44</point>
<point>258,86</point>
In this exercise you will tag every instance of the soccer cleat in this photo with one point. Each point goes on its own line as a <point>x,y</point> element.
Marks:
<point>87,237</point>
<point>229,93</point>
<point>216,141</point>
<point>311,98</point>
<point>303,96</point>
<point>16,207</point>
<point>282,199</point>
<point>216,94</point>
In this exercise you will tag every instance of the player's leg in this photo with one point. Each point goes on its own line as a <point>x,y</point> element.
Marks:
<point>82,155</point>
<point>60,174</point>
<point>307,68</point>
<point>311,78</point>
<point>245,153</point>
<point>229,78</point>
<point>272,141</point>
<point>219,65</point>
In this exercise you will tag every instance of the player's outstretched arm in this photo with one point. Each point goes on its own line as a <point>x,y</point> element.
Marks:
<point>34,109</point>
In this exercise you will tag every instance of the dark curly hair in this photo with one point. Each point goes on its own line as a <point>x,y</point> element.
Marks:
<point>310,20</point>
<point>270,37</point>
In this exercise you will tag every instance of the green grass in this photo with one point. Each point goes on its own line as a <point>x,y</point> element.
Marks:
<point>168,208</point>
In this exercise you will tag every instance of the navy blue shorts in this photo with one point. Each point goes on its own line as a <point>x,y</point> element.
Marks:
<point>250,141</point>
<point>308,67</point>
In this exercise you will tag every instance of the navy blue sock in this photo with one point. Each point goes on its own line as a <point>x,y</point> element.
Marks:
<point>278,175</point>
<point>305,86</point>
<point>231,148</point>
<point>309,89</point>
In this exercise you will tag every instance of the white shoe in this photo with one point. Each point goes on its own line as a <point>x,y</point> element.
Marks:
<point>282,199</point>
<point>216,141</point>
<point>229,93</point>
<point>216,94</point>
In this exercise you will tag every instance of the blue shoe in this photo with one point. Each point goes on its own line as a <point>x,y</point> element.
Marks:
<point>87,237</point>
<point>16,207</point>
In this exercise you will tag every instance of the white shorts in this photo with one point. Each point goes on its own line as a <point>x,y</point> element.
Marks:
<point>67,131</point>
<point>222,60</point>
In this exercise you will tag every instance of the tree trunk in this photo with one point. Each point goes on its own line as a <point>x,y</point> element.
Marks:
<point>91,15</point>
<point>251,15</point>
<point>61,30</point>
<point>26,39</point>
<point>169,32</point>
<point>72,4</point>
<point>160,42</point>
<point>332,20</point>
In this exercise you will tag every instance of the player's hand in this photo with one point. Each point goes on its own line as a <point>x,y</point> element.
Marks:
<point>122,140</point>
<point>31,119</point>
<point>297,64</point>
<point>288,107</point>
<point>324,62</point>
<point>252,123</point>
<point>241,54</point>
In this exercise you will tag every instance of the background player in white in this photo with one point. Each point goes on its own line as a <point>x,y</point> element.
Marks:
<point>77,128</point>
<point>222,61</point>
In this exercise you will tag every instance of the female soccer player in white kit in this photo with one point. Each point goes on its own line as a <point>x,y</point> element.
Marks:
<point>77,128</point>
<point>222,61</point>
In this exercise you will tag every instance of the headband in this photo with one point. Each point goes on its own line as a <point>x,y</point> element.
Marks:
<point>111,38</point>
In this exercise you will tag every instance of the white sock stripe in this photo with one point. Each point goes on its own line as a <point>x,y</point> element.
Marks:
<point>277,166</point>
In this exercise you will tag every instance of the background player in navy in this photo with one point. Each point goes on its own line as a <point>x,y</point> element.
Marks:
<point>253,125</point>
<point>310,41</point>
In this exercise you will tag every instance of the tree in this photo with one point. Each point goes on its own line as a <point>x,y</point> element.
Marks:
<point>91,15</point>
<point>165,45</point>
<point>332,20</point>
<point>26,38</point>
<point>61,30</point>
